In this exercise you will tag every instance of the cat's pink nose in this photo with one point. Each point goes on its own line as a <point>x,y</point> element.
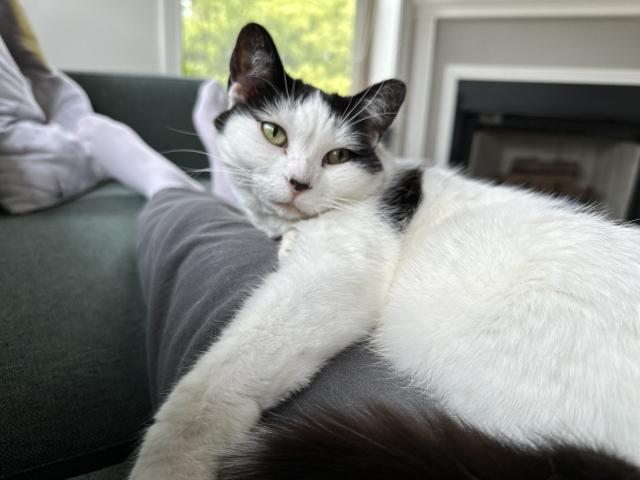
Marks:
<point>299,186</point>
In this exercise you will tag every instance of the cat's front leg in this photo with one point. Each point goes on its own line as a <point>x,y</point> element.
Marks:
<point>276,344</point>
<point>287,244</point>
<point>302,315</point>
<point>179,445</point>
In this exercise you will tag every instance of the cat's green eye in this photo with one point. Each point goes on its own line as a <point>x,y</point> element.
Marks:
<point>337,156</point>
<point>274,134</point>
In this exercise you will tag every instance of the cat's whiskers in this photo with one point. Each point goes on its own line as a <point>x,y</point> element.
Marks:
<point>183,132</point>
<point>354,118</point>
<point>347,108</point>
<point>360,120</point>
<point>234,168</point>
<point>241,174</point>
<point>346,116</point>
<point>370,101</point>
<point>184,150</point>
<point>341,204</point>
<point>346,201</point>
<point>195,172</point>
<point>237,175</point>
<point>365,107</point>
<point>239,179</point>
<point>245,183</point>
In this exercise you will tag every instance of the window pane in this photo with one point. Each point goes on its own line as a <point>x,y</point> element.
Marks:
<point>313,37</point>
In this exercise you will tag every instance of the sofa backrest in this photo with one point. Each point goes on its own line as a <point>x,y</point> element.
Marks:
<point>158,108</point>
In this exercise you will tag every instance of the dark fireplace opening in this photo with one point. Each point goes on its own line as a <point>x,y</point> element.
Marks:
<point>576,140</point>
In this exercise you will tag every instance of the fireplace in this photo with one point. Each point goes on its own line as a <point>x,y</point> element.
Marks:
<point>575,140</point>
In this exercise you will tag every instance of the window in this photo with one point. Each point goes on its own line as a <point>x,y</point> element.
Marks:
<point>314,37</point>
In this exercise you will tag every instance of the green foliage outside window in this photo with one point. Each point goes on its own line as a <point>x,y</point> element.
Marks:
<point>314,37</point>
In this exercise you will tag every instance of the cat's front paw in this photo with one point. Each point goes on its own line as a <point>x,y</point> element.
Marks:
<point>165,455</point>
<point>287,244</point>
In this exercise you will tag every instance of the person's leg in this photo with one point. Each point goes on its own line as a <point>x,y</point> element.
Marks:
<point>16,97</point>
<point>119,150</point>
<point>198,260</point>
<point>62,99</point>
<point>42,162</point>
<point>212,101</point>
<point>127,159</point>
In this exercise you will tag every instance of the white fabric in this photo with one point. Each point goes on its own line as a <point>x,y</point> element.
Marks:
<point>42,161</point>
<point>212,101</point>
<point>125,156</point>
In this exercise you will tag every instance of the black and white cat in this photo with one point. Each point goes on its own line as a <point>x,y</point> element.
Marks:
<point>520,311</point>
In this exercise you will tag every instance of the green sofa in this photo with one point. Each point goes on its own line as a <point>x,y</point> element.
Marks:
<point>73,381</point>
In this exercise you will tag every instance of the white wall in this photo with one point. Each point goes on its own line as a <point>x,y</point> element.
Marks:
<point>101,35</point>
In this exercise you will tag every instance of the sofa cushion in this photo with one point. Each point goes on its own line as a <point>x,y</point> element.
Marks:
<point>73,383</point>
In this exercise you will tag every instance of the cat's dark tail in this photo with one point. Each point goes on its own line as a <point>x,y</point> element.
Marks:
<point>383,443</point>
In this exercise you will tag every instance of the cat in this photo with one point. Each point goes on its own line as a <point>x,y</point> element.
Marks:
<point>520,311</point>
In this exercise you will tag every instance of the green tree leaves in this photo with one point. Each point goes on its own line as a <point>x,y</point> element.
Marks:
<point>314,37</point>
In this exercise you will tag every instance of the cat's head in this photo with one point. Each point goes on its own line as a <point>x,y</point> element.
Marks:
<point>292,150</point>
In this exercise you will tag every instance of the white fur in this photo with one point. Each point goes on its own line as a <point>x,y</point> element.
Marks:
<point>521,312</point>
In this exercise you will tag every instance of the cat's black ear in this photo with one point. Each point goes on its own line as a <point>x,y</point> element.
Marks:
<point>379,104</point>
<point>255,67</point>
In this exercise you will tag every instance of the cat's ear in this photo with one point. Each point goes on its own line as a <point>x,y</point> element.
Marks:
<point>255,67</point>
<point>379,104</point>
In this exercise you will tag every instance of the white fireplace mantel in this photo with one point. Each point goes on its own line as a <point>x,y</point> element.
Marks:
<point>420,26</point>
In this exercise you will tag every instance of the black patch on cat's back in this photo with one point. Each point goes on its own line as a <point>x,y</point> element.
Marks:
<point>401,200</point>
<point>385,442</point>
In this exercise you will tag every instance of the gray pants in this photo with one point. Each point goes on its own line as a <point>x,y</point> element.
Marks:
<point>198,259</point>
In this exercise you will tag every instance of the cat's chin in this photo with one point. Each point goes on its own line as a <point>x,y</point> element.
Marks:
<point>280,219</point>
<point>274,227</point>
<point>288,211</point>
